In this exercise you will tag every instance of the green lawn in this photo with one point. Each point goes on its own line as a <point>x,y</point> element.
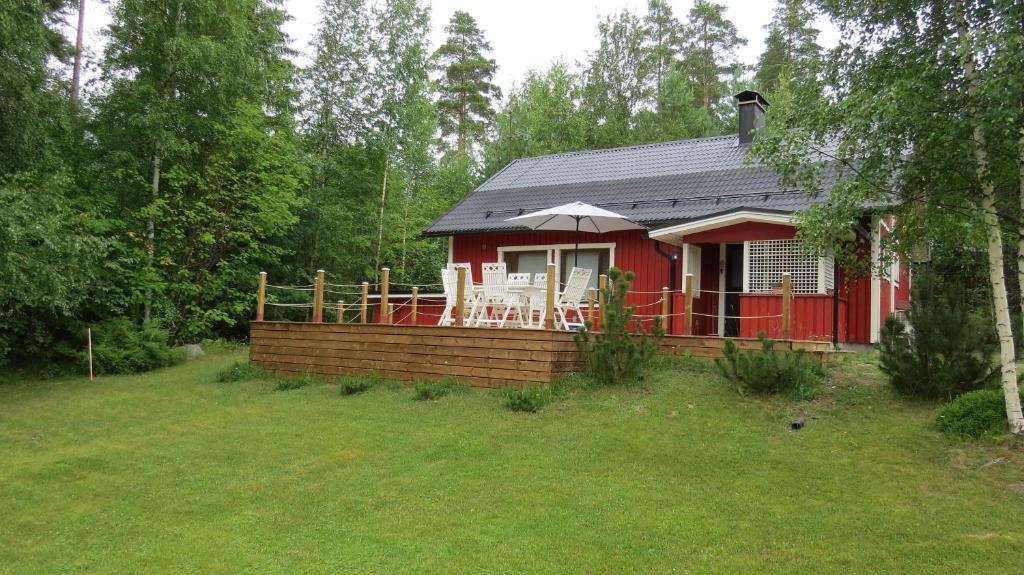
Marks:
<point>172,472</point>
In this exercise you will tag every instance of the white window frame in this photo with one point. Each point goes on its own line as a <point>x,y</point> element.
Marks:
<point>555,252</point>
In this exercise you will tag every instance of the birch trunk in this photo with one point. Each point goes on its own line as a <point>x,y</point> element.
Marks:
<point>151,232</point>
<point>380,228</point>
<point>996,273</point>
<point>1020,224</point>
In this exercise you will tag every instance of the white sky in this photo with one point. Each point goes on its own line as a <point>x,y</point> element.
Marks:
<point>524,34</point>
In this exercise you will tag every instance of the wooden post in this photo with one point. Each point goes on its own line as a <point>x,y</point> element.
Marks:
<point>341,311</point>
<point>665,295</point>
<point>362,302</point>
<point>88,332</point>
<point>688,318</point>
<point>318,297</point>
<point>385,311</point>
<point>415,305</point>
<point>261,296</point>
<point>602,283</point>
<point>549,304</point>
<point>460,295</point>
<point>787,300</point>
<point>591,296</point>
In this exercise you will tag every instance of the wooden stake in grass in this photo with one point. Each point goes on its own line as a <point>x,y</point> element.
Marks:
<point>261,296</point>
<point>415,305</point>
<point>787,300</point>
<point>88,333</point>
<point>318,297</point>
<point>385,308</point>
<point>365,295</point>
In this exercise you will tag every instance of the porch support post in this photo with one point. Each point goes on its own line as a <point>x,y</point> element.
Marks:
<point>261,296</point>
<point>415,305</point>
<point>549,304</point>
<point>341,311</point>
<point>602,283</point>
<point>385,310</point>
<point>318,297</point>
<point>787,301</point>
<point>365,295</point>
<point>591,296</point>
<point>688,318</point>
<point>665,295</point>
<point>460,295</point>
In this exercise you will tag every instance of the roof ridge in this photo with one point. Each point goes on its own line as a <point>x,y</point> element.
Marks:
<point>630,147</point>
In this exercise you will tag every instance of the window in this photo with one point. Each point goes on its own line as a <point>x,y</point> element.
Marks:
<point>593,259</point>
<point>767,260</point>
<point>691,265</point>
<point>534,262</point>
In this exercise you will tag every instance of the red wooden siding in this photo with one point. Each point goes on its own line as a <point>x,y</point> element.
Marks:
<point>811,316</point>
<point>743,232</point>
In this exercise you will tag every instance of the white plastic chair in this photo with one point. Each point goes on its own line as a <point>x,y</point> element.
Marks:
<point>520,280</point>
<point>537,308</point>
<point>496,302</point>
<point>450,279</point>
<point>572,297</point>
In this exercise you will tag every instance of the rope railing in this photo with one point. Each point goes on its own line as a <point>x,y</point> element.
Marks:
<point>407,308</point>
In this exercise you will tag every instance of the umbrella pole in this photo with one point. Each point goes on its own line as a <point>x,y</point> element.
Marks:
<point>576,252</point>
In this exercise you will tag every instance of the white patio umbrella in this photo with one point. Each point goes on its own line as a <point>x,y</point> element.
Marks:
<point>576,216</point>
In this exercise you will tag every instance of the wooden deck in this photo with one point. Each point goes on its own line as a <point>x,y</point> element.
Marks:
<point>483,357</point>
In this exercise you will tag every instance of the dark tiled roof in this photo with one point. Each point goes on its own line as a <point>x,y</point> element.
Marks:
<point>656,184</point>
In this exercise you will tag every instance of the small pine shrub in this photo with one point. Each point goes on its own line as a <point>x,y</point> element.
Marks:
<point>949,349</point>
<point>294,382</point>
<point>615,355</point>
<point>433,390</point>
<point>120,345</point>
<point>767,371</point>
<point>975,414</point>
<point>241,371</point>
<point>529,399</point>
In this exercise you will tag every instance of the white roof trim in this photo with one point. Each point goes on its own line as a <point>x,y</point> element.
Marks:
<point>675,234</point>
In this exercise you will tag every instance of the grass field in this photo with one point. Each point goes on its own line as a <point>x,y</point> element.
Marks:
<point>171,472</point>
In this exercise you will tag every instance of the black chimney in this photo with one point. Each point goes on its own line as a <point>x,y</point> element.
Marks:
<point>751,107</point>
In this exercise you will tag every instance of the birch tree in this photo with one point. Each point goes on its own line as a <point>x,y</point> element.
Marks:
<point>918,144</point>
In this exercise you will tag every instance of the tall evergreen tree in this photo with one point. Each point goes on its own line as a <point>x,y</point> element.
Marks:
<point>466,92</point>
<point>710,57</point>
<point>791,48</point>
<point>202,161</point>
<point>663,38</point>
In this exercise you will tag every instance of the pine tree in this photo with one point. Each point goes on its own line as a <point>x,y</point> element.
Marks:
<point>710,56</point>
<point>465,102</point>
<point>791,48</point>
<point>663,38</point>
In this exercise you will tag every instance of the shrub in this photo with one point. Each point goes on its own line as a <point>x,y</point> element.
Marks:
<point>767,371</point>
<point>431,390</point>
<point>975,414</point>
<point>949,348</point>
<point>294,382</point>
<point>121,346</point>
<point>615,355</point>
<point>352,385</point>
<point>529,399</point>
<point>241,371</point>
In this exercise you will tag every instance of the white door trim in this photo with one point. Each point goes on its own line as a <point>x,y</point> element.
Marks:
<point>721,290</point>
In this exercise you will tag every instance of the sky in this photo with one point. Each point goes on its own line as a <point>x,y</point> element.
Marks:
<point>524,34</point>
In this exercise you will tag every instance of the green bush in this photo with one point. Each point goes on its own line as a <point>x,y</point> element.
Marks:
<point>121,346</point>
<point>975,414</point>
<point>294,382</point>
<point>949,349</point>
<point>767,371</point>
<point>241,371</point>
<point>529,399</point>
<point>431,390</point>
<point>616,355</point>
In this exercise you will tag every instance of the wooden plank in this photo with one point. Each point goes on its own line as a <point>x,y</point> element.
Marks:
<point>401,329</point>
<point>407,339</point>
<point>491,352</point>
<point>341,356</point>
<point>399,365</point>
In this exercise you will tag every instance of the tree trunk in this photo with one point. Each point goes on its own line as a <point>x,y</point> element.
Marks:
<point>997,276</point>
<point>380,228</point>
<point>76,75</point>
<point>1020,223</point>
<point>151,232</point>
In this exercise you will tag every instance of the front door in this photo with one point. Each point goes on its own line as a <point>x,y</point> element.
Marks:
<point>733,285</point>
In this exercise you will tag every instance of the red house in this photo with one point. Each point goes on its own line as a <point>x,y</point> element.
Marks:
<point>708,213</point>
